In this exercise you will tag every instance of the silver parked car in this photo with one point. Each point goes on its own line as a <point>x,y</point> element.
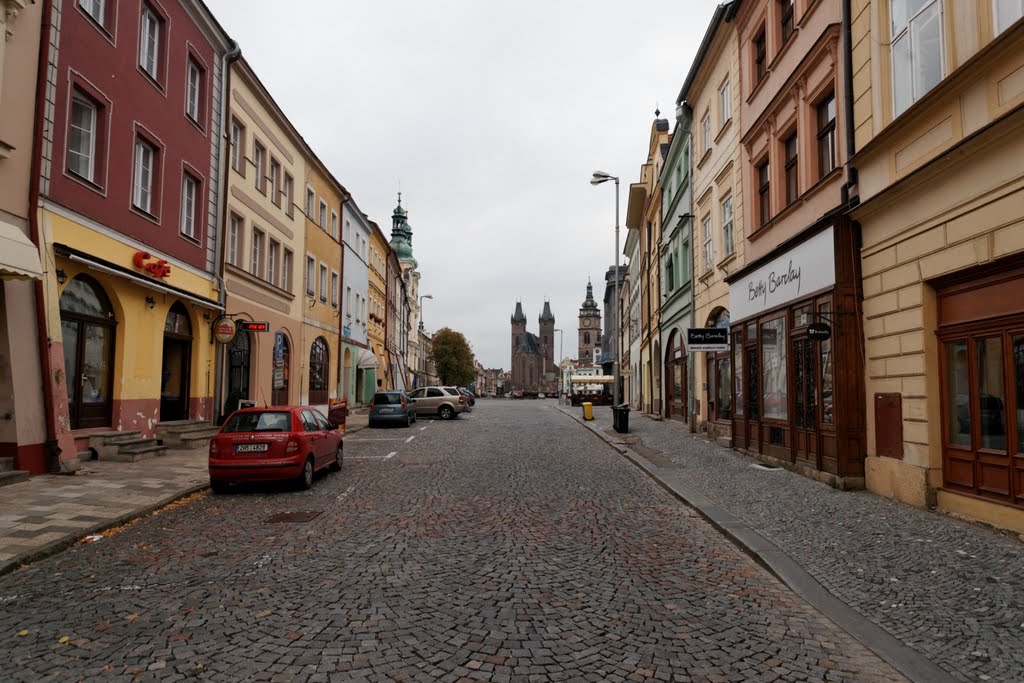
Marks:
<point>444,402</point>
<point>392,407</point>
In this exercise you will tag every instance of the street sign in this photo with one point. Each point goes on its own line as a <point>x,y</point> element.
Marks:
<point>819,331</point>
<point>707,339</point>
<point>224,330</point>
<point>252,326</point>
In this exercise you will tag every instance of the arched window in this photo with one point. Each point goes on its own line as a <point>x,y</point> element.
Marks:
<point>319,361</point>
<point>87,326</point>
<point>675,378</point>
<point>279,377</point>
<point>586,337</point>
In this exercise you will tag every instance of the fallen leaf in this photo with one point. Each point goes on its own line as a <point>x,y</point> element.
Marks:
<point>63,640</point>
<point>23,632</point>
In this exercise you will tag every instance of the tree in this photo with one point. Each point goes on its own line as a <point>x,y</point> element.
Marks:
<point>452,357</point>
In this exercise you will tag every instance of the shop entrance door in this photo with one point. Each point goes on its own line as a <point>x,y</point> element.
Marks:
<point>174,386</point>
<point>805,411</point>
<point>87,326</point>
<point>753,390</point>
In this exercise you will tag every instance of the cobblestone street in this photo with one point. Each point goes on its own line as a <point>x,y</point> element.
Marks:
<point>509,544</point>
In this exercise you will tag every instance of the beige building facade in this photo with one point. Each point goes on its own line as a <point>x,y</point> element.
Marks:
<point>939,112</point>
<point>377,306</point>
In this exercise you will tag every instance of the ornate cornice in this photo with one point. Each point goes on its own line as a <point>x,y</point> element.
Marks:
<point>11,9</point>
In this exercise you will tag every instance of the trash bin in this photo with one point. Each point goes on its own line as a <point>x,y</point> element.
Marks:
<point>620,418</point>
<point>588,411</point>
<point>337,413</point>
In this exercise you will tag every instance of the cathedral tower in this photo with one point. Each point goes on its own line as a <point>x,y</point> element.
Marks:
<point>590,328</point>
<point>547,335</point>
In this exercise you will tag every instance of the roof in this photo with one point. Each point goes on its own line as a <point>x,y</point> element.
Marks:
<point>528,343</point>
<point>724,12</point>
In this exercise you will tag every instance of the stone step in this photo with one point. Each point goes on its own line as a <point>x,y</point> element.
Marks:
<point>6,464</point>
<point>193,441</point>
<point>181,439</point>
<point>179,426</point>
<point>136,453</point>
<point>13,477</point>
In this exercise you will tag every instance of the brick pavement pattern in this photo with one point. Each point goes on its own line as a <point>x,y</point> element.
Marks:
<point>509,545</point>
<point>949,589</point>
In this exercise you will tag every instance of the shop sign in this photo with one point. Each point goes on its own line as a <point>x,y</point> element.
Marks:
<point>253,326</point>
<point>807,267</point>
<point>707,339</point>
<point>145,261</point>
<point>224,330</point>
<point>819,331</point>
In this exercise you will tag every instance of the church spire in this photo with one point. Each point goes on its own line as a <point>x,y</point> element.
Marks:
<point>546,314</point>
<point>589,301</point>
<point>519,316</point>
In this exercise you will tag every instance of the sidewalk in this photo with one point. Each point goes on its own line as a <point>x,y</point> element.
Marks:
<point>919,588</point>
<point>50,512</point>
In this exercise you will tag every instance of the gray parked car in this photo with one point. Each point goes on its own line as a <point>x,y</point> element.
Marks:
<point>392,407</point>
<point>445,402</point>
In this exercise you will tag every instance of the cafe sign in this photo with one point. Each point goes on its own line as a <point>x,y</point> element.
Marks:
<point>807,267</point>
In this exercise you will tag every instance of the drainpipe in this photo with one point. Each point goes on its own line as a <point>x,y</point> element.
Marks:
<point>684,111</point>
<point>52,450</point>
<point>851,172</point>
<point>218,260</point>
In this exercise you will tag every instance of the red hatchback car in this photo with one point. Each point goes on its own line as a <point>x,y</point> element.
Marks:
<point>267,444</point>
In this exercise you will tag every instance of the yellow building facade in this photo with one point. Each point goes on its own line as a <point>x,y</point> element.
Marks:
<point>939,142</point>
<point>321,286</point>
<point>377,306</point>
<point>264,248</point>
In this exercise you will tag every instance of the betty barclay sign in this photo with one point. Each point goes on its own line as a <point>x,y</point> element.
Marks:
<point>807,267</point>
<point>707,339</point>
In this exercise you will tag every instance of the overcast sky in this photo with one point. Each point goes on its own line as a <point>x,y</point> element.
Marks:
<point>492,115</point>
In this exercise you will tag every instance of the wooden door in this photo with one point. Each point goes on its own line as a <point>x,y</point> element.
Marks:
<point>805,404</point>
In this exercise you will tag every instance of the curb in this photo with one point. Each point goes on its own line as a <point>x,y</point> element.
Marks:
<point>907,661</point>
<point>59,545</point>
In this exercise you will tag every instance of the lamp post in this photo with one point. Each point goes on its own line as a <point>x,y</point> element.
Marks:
<point>561,380</point>
<point>598,178</point>
<point>425,296</point>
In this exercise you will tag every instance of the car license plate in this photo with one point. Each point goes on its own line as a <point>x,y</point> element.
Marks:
<point>387,410</point>
<point>251,448</point>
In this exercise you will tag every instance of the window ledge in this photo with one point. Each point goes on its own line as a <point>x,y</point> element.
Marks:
<point>721,131</point>
<point>138,211</point>
<point>706,277</point>
<point>727,260</point>
<point>704,157</point>
<point>256,280</point>
<point>758,86</point>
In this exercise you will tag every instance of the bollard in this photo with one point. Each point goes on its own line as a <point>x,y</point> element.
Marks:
<point>588,411</point>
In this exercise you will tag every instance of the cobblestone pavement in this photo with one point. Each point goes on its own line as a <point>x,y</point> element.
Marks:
<point>507,545</point>
<point>949,589</point>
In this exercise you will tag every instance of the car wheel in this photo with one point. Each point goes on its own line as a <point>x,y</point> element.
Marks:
<point>218,486</point>
<point>306,478</point>
<point>445,412</point>
<point>338,460</point>
<point>408,421</point>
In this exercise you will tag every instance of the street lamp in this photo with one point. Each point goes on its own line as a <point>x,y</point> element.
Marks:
<point>425,296</point>
<point>598,178</point>
<point>561,379</point>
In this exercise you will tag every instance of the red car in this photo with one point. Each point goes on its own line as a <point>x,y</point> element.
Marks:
<point>267,444</point>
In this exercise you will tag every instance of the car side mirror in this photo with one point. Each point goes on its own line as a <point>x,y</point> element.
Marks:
<point>331,427</point>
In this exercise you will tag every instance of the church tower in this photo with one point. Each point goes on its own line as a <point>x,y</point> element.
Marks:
<point>547,336</point>
<point>589,329</point>
<point>518,326</point>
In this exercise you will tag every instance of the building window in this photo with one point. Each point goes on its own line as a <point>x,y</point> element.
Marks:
<point>310,275</point>
<point>348,302</point>
<point>792,185</point>
<point>289,188</point>
<point>286,271</point>
<point>82,139</point>
<point>234,233</point>
<point>1007,13</point>
<point>728,243</point>
<point>334,289</point>
<point>705,133</point>
<point>334,225</point>
<point>145,167</point>
<point>724,110</point>
<point>774,387</point>
<point>786,18</point>
<point>189,206</point>
<point>237,146</point>
<point>194,91</point>
<point>96,9</point>
<point>310,201</point>
<point>323,283</point>
<point>256,266</point>
<point>827,135</point>
<point>275,182</point>
<point>259,158</point>
<point>272,255</point>
<point>670,281</point>
<point>149,42</point>
<point>764,193</point>
<point>760,56</point>
<point>323,214</point>
<point>709,255</point>
<point>916,41</point>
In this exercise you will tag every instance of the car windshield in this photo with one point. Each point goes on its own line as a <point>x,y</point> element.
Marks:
<point>259,422</point>
<point>387,399</point>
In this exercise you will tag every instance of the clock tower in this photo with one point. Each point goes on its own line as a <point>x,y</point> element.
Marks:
<point>590,328</point>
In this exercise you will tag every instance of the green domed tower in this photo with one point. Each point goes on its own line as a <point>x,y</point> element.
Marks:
<point>401,234</point>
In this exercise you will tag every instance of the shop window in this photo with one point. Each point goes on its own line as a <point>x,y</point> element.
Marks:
<point>774,377</point>
<point>740,393</point>
<point>280,370</point>
<point>723,387</point>
<point>916,39</point>
<point>319,359</point>
<point>825,353</point>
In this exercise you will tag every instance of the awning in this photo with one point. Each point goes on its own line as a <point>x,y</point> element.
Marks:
<point>365,360</point>
<point>19,258</point>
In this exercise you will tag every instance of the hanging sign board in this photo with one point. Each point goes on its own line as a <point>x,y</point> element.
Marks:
<point>224,330</point>
<point>819,331</point>
<point>252,326</point>
<point>707,339</point>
